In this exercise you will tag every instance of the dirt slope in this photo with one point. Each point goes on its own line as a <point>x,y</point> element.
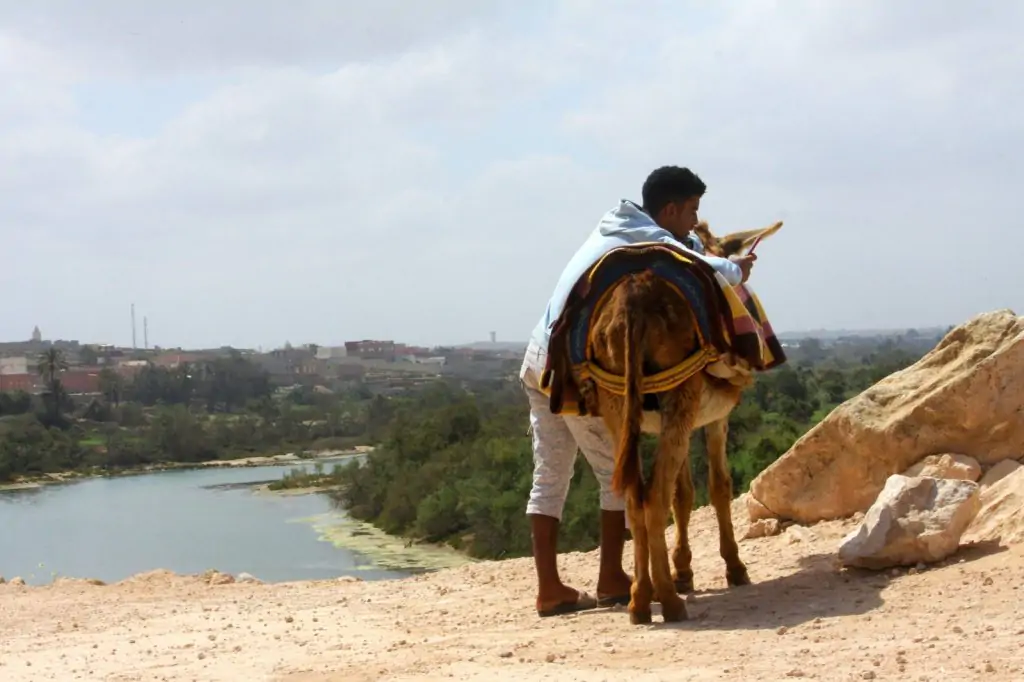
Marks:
<point>802,619</point>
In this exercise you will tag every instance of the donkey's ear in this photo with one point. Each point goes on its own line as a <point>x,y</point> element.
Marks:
<point>738,242</point>
<point>709,240</point>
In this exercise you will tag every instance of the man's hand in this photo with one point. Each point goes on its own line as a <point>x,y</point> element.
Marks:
<point>745,263</point>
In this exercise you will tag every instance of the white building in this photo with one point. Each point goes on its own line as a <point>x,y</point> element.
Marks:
<point>15,365</point>
<point>329,352</point>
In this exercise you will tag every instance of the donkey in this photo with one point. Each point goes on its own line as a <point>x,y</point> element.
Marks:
<point>644,326</point>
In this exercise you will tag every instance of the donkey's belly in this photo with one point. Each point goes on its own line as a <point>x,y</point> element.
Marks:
<point>714,405</point>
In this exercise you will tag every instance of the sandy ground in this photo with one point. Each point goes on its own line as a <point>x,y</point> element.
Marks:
<point>803,618</point>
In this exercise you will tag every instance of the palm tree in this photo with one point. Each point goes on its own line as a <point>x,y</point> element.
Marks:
<point>51,363</point>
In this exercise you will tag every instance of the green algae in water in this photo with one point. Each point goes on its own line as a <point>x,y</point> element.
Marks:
<point>385,551</point>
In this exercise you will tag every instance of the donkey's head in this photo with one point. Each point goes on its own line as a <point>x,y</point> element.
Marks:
<point>734,243</point>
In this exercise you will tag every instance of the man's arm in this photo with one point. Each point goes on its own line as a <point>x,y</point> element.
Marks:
<point>731,271</point>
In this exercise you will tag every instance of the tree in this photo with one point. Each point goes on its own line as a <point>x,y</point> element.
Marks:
<point>18,402</point>
<point>51,363</point>
<point>111,386</point>
<point>175,432</point>
<point>152,385</point>
<point>231,382</point>
<point>97,411</point>
<point>812,350</point>
<point>833,383</point>
<point>87,356</point>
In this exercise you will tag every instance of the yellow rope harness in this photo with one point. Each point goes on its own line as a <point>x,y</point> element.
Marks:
<point>663,381</point>
<point>660,382</point>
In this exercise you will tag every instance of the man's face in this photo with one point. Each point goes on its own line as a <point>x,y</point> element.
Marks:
<point>680,217</point>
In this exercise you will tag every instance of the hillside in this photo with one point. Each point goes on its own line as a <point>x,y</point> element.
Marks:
<point>803,618</point>
<point>870,470</point>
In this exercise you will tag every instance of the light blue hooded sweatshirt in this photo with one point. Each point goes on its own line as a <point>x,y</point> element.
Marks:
<point>625,224</point>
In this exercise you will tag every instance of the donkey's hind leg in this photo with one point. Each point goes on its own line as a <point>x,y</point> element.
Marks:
<point>682,506</point>
<point>678,413</point>
<point>720,484</point>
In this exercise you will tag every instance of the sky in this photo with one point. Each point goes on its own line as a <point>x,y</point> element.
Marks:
<point>255,172</point>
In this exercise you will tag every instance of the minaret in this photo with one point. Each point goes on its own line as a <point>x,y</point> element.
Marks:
<point>133,327</point>
<point>145,332</point>
<point>37,335</point>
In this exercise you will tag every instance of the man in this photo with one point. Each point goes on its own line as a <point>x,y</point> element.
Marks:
<point>671,198</point>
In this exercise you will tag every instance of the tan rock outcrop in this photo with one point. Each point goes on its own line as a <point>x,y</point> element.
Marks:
<point>957,467</point>
<point>215,577</point>
<point>762,528</point>
<point>914,520</point>
<point>1001,517</point>
<point>964,396</point>
<point>998,472</point>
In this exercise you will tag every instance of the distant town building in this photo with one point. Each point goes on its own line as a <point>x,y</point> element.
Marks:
<point>176,358</point>
<point>438,360</point>
<point>82,380</point>
<point>416,351</point>
<point>371,350</point>
<point>18,364</point>
<point>330,352</point>
<point>76,381</point>
<point>129,368</point>
<point>289,365</point>
<point>37,336</point>
<point>10,383</point>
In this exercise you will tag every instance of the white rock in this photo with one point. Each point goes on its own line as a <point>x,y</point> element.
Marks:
<point>247,578</point>
<point>913,520</point>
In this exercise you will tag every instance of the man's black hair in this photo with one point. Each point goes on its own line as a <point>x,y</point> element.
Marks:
<point>667,184</point>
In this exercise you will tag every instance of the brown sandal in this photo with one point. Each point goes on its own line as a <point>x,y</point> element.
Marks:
<point>617,600</point>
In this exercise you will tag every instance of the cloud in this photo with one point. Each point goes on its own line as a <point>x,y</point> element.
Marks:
<point>351,170</point>
<point>143,40</point>
<point>885,138</point>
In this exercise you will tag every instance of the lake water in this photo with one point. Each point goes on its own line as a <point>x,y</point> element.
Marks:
<point>111,528</point>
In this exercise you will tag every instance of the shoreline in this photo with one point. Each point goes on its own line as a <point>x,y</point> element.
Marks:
<point>264,489</point>
<point>249,461</point>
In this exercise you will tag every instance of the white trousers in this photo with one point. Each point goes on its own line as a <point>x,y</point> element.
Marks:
<point>555,442</point>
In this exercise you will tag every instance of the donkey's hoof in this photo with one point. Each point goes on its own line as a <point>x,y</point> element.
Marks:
<point>640,617</point>
<point>683,585</point>
<point>683,580</point>
<point>674,611</point>
<point>738,577</point>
